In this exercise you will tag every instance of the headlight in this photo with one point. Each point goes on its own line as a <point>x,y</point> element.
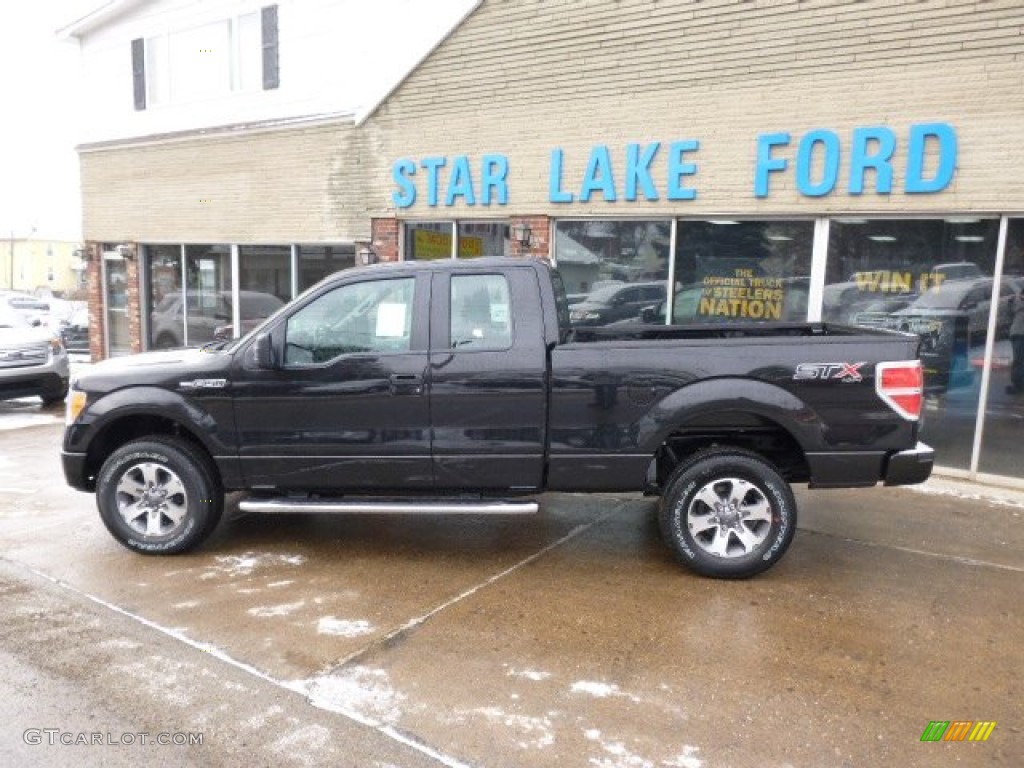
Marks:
<point>76,400</point>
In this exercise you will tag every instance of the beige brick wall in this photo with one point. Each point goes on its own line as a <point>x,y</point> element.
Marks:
<point>266,187</point>
<point>521,78</point>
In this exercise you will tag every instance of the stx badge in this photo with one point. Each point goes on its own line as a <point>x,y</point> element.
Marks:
<point>847,372</point>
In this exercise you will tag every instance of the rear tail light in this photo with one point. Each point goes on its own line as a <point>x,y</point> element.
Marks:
<point>901,386</point>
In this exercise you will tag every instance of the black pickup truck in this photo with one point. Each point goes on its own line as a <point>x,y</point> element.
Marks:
<point>461,387</point>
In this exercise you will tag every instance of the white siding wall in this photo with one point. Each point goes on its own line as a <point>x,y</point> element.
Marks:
<point>336,56</point>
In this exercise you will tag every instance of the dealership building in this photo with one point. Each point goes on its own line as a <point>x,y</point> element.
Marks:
<point>688,161</point>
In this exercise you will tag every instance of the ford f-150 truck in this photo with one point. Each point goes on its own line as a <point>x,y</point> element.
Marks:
<point>462,387</point>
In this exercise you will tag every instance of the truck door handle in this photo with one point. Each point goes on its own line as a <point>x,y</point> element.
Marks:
<point>406,384</point>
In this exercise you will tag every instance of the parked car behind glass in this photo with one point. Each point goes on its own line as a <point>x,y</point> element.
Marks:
<point>951,318</point>
<point>74,331</point>
<point>616,302</point>
<point>209,314</point>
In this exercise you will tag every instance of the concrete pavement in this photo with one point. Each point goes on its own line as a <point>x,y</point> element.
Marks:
<point>571,638</point>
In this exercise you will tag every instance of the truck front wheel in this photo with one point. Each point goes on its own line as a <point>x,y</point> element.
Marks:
<point>158,496</point>
<point>727,513</point>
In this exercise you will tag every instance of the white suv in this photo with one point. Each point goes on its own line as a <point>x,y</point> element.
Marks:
<point>32,360</point>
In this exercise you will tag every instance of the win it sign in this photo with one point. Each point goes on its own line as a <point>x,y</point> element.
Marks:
<point>958,730</point>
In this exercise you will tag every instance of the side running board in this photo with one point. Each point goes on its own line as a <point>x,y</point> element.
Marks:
<point>391,507</point>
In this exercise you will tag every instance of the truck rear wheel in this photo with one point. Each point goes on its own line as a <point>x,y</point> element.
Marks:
<point>727,513</point>
<point>157,496</point>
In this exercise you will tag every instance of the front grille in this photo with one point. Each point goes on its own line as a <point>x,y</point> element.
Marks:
<point>24,357</point>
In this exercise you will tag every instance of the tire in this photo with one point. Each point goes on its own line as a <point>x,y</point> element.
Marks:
<point>727,513</point>
<point>49,400</point>
<point>158,497</point>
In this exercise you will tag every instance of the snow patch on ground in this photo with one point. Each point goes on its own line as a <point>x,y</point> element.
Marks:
<point>535,675</point>
<point>603,690</point>
<point>973,492</point>
<point>329,625</point>
<point>187,604</point>
<point>361,693</point>
<point>261,719</point>
<point>598,690</point>
<point>120,644</point>
<point>686,759</point>
<point>618,755</point>
<point>267,611</point>
<point>532,732</point>
<point>244,565</point>
<point>22,420</point>
<point>285,583</point>
<point>161,679</point>
<point>307,742</point>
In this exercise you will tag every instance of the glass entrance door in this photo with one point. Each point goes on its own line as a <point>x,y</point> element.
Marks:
<point>115,287</point>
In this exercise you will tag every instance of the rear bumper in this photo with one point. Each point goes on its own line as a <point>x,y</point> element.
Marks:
<point>911,466</point>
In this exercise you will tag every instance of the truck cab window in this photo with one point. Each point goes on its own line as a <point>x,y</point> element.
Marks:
<point>480,316</point>
<point>367,317</point>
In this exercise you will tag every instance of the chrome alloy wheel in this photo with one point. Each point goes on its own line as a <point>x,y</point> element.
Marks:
<point>729,517</point>
<point>152,500</point>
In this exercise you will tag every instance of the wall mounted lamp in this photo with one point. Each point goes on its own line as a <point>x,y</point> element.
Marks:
<point>366,256</point>
<point>521,232</point>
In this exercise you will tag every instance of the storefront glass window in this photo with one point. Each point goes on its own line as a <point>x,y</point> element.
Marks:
<point>484,238</point>
<point>1004,414</point>
<point>932,278</point>
<point>163,267</point>
<point>264,284</point>
<point>612,270</point>
<point>208,293</point>
<point>730,271</point>
<point>428,240</point>
<point>318,261</point>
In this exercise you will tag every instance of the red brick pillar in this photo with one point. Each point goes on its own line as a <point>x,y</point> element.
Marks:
<point>385,234</point>
<point>540,236</point>
<point>134,298</point>
<point>94,294</point>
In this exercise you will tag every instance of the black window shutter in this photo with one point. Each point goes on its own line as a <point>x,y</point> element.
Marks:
<point>139,72</point>
<point>271,70</point>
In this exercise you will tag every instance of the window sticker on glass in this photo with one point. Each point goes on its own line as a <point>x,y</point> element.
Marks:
<point>391,321</point>
<point>499,313</point>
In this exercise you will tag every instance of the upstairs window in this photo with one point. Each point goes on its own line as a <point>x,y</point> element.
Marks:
<point>233,55</point>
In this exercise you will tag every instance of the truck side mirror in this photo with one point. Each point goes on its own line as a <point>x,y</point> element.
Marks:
<point>264,347</point>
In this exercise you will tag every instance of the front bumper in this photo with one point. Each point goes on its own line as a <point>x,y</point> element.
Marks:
<point>33,382</point>
<point>74,471</point>
<point>911,466</point>
<point>48,379</point>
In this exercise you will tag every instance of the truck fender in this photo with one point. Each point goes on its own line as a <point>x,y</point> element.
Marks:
<point>139,401</point>
<point>713,400</point>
